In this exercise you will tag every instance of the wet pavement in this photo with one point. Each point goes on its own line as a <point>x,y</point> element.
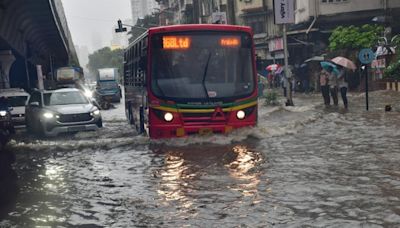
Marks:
<point>302,166</point>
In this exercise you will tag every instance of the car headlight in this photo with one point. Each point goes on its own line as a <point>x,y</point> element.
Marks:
<point>3,113</point>
<point>48,115</point>
<point>96,112</point>
<point>168,117</point>
<point>88,93</point>
<point>240,114</point>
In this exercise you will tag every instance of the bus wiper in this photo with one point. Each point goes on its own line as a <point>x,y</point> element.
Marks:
<point>205,75</point>
<point>159,88</point>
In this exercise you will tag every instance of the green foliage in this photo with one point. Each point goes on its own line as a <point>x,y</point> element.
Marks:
<point>106,58</point>
<point>393,70</point>
<point>353,37</point>
<point>271,98</point>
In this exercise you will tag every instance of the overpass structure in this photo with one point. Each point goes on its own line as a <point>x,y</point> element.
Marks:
<point>33,33</point>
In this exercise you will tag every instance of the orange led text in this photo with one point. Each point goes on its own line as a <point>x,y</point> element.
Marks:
<point>176,42</point>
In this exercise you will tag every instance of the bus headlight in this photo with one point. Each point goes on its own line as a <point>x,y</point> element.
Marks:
<point>240,114</point>
<point>48,115</point>
<point>168,117</point>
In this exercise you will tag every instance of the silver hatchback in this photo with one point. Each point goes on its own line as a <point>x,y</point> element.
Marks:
<point>50,113</point>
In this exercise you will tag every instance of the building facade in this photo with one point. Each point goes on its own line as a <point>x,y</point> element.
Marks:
<point>141,8</point>
<point>196,12</point>
<point>307,37</point>
<point>316,19</point>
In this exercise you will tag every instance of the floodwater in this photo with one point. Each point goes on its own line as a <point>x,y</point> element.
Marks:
<point>302,166</point>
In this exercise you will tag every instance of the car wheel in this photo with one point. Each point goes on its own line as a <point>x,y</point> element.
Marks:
<point>99,123</point>
<point>39,129</point>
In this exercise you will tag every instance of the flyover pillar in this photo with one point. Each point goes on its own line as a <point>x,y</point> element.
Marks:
<point>6,61</point>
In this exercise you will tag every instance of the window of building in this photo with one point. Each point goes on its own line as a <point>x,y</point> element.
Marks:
<point>257,23</point>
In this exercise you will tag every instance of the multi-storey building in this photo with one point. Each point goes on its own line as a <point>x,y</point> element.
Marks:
<point>258,14</point>
<point>141,8</point>
<point>196,11</point>
<point>308,36</point>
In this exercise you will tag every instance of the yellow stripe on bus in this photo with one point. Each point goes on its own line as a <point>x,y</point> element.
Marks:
<point>236,108</point>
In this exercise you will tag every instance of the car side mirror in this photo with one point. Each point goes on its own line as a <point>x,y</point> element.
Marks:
<point>34,104</point>
<point>94,102</point>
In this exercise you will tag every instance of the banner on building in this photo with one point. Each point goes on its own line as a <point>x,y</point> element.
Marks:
<point>219,18</point>
<point>284,11</point>
<point>275,44</point>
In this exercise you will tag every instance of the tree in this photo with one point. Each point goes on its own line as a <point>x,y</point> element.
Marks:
<point>355,38</point>
<point>106,58</point>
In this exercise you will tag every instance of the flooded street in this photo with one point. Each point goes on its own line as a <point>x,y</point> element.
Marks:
<point>302,166</point>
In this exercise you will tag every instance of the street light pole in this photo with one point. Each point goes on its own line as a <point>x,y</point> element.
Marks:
<point>180,12</point>
<point>285,53</point>
<point>123,29</point>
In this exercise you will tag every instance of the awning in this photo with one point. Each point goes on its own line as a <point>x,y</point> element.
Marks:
<point>301,31</point>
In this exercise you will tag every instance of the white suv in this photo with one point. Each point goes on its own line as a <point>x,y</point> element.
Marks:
<point>17,98</point>
<point>51,112</point>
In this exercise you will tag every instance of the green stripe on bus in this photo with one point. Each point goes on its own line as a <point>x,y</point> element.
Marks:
<point>195,106</point>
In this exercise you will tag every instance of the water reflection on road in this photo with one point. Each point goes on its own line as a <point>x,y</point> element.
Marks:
<point>303,166</point>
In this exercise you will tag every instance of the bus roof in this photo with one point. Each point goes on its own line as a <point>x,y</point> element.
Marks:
<point>194,27</point>
<point>191,27</point>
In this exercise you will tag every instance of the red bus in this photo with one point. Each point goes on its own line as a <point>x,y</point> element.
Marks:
<point>191,79</point>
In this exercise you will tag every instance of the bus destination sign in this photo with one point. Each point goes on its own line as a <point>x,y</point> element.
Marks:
<point>230,41</point>
<point>176,42</point>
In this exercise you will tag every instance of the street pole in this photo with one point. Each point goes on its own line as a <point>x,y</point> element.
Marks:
<point>285,53</point>
<point>180,12</point>
<point>366,88</point>
<point>200,12</point>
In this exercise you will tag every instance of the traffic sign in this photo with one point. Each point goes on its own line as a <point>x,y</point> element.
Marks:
<point>366,56</point>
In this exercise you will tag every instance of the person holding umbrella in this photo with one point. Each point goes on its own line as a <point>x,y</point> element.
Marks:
<point>333,87</point>
<point>331,83</point>
<point>343,63</point>
<point>343,85</point>
<point>323,81</point>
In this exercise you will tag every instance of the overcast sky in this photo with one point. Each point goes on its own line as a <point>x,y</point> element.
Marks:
<point>91,21</point>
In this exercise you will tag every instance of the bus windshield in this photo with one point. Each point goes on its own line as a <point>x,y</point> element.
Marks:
<point>199,65</point>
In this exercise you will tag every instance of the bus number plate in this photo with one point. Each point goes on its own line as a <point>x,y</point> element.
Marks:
<point>205,131</point>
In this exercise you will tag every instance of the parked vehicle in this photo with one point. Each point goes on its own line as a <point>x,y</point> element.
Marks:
<point>50,113</point>
<point>69,76</point>
<point>107,87</point>
<point>17,99</point>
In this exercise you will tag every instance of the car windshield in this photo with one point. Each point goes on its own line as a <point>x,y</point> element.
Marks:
<point>64,98</point>
<point>108,85</point>
<point>17,101</point>
<point>210,66</point>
